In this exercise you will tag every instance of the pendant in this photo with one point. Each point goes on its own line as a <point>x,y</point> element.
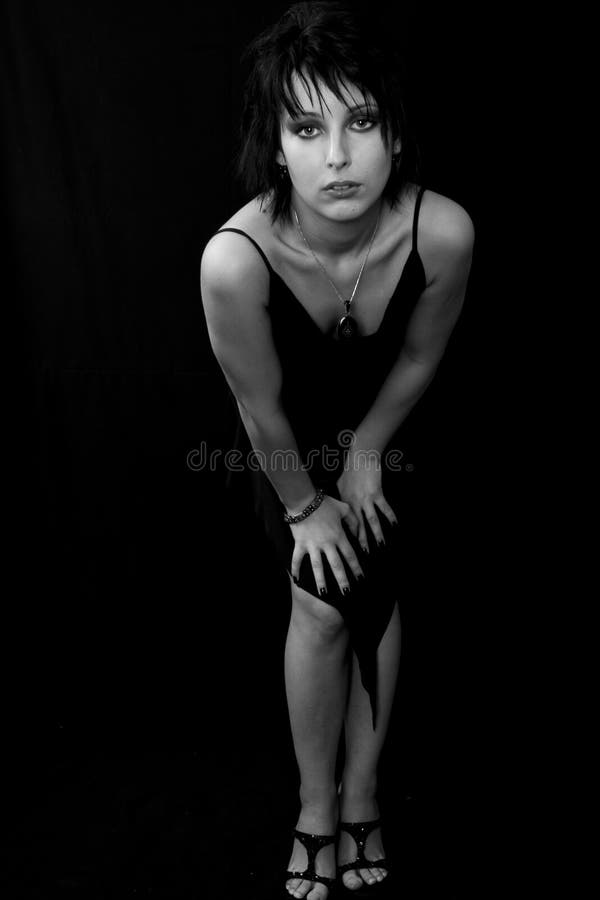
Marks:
<point>346,329</point>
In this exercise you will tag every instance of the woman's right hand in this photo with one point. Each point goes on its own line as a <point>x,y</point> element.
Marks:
<point>322,532</point>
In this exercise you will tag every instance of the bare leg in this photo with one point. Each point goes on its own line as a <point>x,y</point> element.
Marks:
<point>316,678</point>
<point>363,748</point>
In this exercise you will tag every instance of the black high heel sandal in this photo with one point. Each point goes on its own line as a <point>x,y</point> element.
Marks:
<point>360,831</point>
<point>312,843</point>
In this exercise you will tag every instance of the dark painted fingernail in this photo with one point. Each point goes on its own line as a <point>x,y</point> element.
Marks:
<point>360,576</point>
<point>381,543</point>
<point>322,591</point>
<point>296,581</point>
<point>395,522</point>
<point>345,591</point>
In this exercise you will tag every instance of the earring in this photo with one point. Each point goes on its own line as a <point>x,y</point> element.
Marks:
<point>283,171</point>
<point>396,159</point>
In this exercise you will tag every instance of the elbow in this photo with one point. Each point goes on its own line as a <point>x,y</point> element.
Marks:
<point>253,401</point>
<point>424,361</point>
<point>259,409</point>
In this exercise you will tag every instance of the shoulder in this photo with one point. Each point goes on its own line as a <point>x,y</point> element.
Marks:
<point>446,234</point>
<point>445,222</point>
<point>230,259</point>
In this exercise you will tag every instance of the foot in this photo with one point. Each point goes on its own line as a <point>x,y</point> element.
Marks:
<point>359,807</point>
<point>321,818</point>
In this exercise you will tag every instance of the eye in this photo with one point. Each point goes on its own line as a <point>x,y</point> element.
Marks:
<point>304,128</point>
<point>370,122</point>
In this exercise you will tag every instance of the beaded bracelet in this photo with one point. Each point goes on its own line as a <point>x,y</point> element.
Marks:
<point>314,504</point>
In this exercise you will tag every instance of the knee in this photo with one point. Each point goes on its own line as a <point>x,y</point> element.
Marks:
<point>316,619</point>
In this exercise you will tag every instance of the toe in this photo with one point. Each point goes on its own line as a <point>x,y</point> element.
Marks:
<point>366,876</point>
<point>351,879</point>
<point>293,884</point>
<point>319,892</point>
<point>304,888</point>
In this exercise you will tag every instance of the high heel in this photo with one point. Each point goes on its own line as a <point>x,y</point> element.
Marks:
<point>312,843</point>
<point>360,831</point>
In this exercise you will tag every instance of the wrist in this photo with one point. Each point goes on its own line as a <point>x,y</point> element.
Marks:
<point>296,508</point>
<point>365,460</point>
<point>307,510</point>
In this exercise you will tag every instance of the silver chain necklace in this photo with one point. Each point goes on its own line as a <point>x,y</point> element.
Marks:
<point>347,327</point>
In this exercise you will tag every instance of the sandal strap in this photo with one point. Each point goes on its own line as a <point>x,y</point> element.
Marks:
<point>312,876</point>
<point>312,843</point>
<point>363,863</point>
<point>313,840</point>
<point>360,831</point>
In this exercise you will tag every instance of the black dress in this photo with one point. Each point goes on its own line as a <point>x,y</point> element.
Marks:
<point>328,386</point>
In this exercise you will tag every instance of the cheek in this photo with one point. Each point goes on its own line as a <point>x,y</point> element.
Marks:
<point>374,153</point>
<point>380,153</point>
<point>384,161</point>
<point>303,164</point>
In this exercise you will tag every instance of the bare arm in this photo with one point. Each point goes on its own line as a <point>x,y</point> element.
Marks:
<point>234,290</point>
<point>429,329</point>
<point>449,249</point>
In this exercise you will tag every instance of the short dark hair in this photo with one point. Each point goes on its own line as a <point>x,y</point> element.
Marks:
<point>335,43</point>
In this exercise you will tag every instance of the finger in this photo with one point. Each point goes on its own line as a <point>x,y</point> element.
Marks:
<point>337,567</point>
<point>387,510</point>
<point>351,520</point>
<point>317,566</point>
<point>351,557</point>
<point>373,521</point>
<point>297,557</point>
<point>353,525</point>
<point>360,533</point>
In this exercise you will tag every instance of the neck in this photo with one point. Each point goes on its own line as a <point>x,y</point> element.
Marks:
<point>335,239</point>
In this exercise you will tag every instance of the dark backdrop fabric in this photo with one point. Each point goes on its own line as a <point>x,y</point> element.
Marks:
<point>142,603</point>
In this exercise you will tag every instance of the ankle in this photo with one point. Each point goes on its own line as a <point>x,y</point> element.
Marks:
<point>358,787</point>
<point>318,798</point>
<point>358,794</point>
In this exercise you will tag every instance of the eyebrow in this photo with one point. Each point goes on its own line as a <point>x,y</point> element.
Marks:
<point>359,106</point>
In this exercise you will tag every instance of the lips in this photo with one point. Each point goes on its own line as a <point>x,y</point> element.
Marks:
<point>340,184</point>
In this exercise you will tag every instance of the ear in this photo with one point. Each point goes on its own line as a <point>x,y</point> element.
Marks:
<point>397,148</point>
<point>280,158</point>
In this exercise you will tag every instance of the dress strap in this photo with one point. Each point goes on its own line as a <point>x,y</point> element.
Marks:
<point>237,231</point>
<point>416,218</point>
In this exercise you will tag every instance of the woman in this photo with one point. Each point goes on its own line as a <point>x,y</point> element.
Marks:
<point>329,298</point>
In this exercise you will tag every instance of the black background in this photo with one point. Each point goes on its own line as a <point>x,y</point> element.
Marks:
<point>145,624</point>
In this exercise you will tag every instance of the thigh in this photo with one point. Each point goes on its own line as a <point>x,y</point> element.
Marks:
<point>382,565</point>
<point>309,605</point>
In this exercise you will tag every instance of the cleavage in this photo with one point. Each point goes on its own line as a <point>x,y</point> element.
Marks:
<point>320,301</point>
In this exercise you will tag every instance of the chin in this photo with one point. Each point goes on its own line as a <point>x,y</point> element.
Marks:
<point>351,206</point>
<point>347,210</point>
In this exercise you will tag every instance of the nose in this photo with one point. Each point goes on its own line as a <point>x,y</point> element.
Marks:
<point>338,153</point>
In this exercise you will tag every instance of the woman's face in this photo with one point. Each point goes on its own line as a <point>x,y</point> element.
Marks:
<point>342,142</point>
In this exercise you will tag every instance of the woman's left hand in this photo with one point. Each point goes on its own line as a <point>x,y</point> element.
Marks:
<point>361,489</point>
